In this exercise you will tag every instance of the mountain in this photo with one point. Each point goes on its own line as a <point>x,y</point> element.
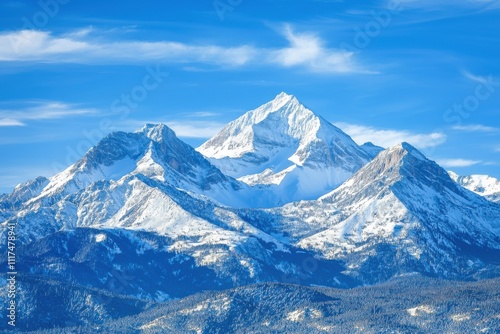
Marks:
<point>150,181</point>
<point>144,219</point>
<point>484,185</point>
<point>155,152</point>
<point>287,146</point>
<point>142,205</point>
<point>286,308</point>
<point>400,213</point>
<point>127,179</point>
<point>10,203</point>
<point>95,275</point>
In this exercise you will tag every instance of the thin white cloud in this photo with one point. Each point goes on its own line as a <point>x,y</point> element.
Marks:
<point>42,46</point>
<point>491,163</point>
<point>183,128</point>
<point>195,129</point>
<point>451,163</point>
<point>41,110</point>
<point>475,128</point>
<point>204,114</point>
<point>478,79</point>
<point>81,32</point>
<point>492,4</point>
<point>305,50</point>
<point>10,122</point>
<point>390,137</point>
<point>443,4</point>
<point>308,50</point>
<point>28,45</point>
<point>475,78</point>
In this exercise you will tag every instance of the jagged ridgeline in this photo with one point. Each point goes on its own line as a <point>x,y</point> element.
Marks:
<point>279,196</point>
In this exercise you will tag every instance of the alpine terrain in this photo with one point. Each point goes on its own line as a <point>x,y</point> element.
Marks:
<point>483,185</point>
<point>279,223</point>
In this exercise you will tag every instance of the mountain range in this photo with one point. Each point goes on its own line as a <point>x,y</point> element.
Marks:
<point>279,195</point>
<point>483,185</point>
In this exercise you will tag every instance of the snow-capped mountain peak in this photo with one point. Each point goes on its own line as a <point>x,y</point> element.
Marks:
<point>157,132</point>
<point>405,174</point>
<point>285,144</point>
<point>153,151</point>
<point>402,162</point>
<point>483,185</point>
<point>281,122</point>
<point>404,204</point>
<point>280,100</point>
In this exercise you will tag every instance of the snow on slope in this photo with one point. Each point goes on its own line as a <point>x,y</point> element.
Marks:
<point>212,235</point>
<point>399,211</point>
<point>484,185</point>
<point>10,203</point>
<point>407,205</point>
<point>157,153</point>
<point>284,144</point>
<point>151,181</point>
<point>98,190</point>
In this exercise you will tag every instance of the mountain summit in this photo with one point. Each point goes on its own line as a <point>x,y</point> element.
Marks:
<point>284,144</point>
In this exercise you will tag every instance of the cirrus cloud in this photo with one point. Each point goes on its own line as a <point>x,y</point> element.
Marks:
<point>475,128</point>
<point>41,110</point>
<point>390,137</point>
<point>306,50</point>
<point>450,163</point>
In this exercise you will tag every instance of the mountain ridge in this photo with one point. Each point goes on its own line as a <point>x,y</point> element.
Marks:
<point>484,185</point>
<point>147,205</point>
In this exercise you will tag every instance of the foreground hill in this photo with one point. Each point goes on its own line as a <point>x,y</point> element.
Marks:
<point>422,305</point>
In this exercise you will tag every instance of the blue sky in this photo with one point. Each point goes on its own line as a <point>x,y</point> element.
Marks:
<point>71,71</point>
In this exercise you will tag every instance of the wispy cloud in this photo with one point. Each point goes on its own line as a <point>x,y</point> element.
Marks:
<point>26,45</point>
<point>483,80</point>
<point>443,4</point>
<point>204,114</point>
<point>30,45</point>
<point>41,110</point>
<point>491,163</point>
<point>475,128</point>
<point>390,137</point>
<point>451,163</point>
<point>10,122</point>
<point>183,128</point>
<point>195,129</point>
<point>306,50</point>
